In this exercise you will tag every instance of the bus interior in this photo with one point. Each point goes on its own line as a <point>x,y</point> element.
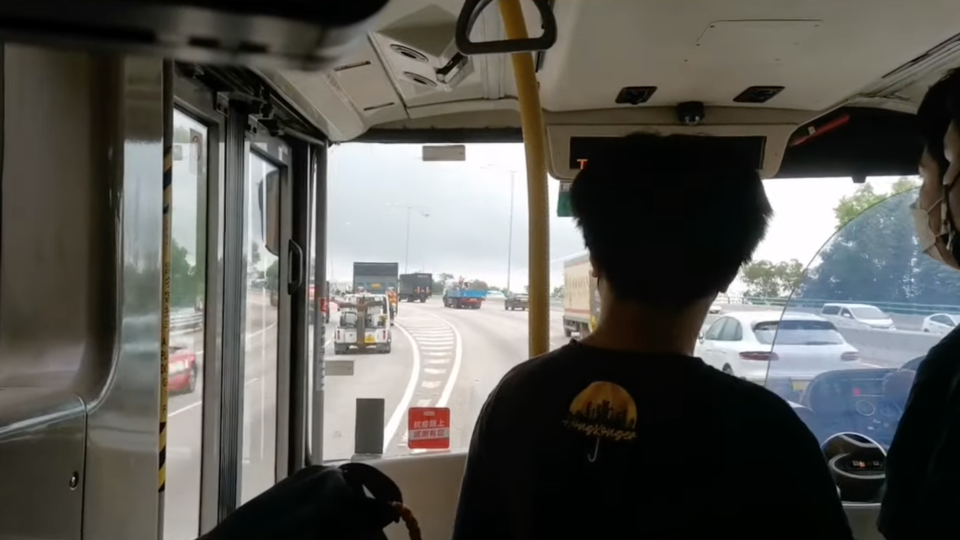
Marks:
<point>114,111</point>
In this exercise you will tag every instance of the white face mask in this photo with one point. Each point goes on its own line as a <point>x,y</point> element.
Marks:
<point>926,237</point>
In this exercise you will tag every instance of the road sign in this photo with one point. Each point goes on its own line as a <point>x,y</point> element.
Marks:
<point>451,152</point>
<point>428,428</point>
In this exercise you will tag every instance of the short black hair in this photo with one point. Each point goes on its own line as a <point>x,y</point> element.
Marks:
<point>939,107</point>
<point>669,220</point>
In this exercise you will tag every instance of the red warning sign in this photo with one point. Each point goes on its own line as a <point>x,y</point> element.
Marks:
<point>428,428</point>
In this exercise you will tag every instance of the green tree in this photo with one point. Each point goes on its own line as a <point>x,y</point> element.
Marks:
<point>273,276</point>
<point>557,292</point>
<point>185,282</point>
<point>771,280</point>
<point>852,206</point>
<point>874,256</point>
<point>478,285</point>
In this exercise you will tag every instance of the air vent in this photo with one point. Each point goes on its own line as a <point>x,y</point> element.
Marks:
<point>635,95</point>
<point>416,78</point>
<point>758,94</point>
<point>407,52</point>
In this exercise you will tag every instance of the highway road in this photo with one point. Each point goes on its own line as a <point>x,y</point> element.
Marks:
<point>440,357</point>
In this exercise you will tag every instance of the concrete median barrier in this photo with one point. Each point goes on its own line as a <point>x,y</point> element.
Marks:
<point>890,347</point>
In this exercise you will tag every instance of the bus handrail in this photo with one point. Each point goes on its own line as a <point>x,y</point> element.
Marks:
<point>471,12</point>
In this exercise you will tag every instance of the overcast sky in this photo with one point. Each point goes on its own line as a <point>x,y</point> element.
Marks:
<point>460,212</point>
<point>468,204</point>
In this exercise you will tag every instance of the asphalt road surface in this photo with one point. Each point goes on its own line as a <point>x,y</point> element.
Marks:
<point>440,357</point>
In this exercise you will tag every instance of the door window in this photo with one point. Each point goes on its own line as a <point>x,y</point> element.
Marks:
<point>258,449</point>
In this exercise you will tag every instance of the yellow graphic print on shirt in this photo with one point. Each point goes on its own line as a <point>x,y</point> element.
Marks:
<point>603,410</point>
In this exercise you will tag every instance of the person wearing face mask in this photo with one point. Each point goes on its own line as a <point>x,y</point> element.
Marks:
<point>922,493</point>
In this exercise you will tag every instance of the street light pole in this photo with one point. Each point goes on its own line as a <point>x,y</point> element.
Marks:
<point>510,233</point>
<point>406,256</point>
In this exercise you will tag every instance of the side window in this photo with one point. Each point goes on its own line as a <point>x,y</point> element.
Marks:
<point>713,333</point>
<point>732,331</point>
<point>846,313</point>
<point>949,322</point>
<point>940,319</point>
<point>830,310</point>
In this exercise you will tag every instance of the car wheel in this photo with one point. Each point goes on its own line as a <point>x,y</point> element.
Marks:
<point>192,383</point>
<point>727,369</point>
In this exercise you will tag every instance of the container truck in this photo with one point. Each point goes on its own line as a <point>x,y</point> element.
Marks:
<point>415,287</point>
<point>375,277</point>
<point>581,298</point>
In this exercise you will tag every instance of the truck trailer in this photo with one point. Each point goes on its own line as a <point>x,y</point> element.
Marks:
<point>415,287</point>
<point>375,277</point>
<point>581,298</point>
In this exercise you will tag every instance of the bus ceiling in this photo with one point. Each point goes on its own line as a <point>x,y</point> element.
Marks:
<point>433,71</point>
<point>302,35</point>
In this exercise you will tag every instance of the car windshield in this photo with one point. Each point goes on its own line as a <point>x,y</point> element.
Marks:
<point>868,312</point>
<point>797,332</point>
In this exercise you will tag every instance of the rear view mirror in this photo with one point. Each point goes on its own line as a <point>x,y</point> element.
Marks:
<point>268,196</point>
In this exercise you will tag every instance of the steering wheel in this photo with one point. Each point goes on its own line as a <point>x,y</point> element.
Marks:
<point>857,464</point>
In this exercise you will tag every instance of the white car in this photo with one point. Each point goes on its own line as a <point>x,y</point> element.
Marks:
<point>861,316</point>
<point>768,347</point>
<point>940,323</point>
<point>496,295</point>
<point>715,309</point>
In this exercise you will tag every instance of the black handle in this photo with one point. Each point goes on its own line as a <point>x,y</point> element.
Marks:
<point>471,12</point>
<point>296,271</point>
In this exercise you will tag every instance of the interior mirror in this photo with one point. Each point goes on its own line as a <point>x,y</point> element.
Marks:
<point>268,196</point>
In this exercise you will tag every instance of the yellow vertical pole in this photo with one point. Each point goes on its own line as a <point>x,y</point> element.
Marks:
<point>531,117</point>
<point>165,286</point>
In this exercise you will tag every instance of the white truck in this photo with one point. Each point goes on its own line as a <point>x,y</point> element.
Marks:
<point>581,299</point>
<point>364,323</point>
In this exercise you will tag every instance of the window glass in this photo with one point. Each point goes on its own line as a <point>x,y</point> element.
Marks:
<point>187,288</point>
<point>261,336</point>
<point>868,312</point>
<point>793,332</point>
<point>715,329</point>
<point>831,310</point>
<point>731,331</point>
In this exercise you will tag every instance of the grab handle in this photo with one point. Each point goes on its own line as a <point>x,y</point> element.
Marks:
<point>471,12</point>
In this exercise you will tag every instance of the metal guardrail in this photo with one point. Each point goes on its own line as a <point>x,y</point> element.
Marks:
<point>186,322</point>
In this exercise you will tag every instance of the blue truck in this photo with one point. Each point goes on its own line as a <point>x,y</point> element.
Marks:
<point>459,296</point>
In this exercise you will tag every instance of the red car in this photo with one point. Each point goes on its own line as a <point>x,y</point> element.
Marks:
<point>182,372</point>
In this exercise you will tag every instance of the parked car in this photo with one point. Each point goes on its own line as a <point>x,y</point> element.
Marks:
<point>516,301</point>
<point>715,309</point>
<point>782,351</point>
<point>940,323</point>
<point>862,316</point>
<point>182,371</point>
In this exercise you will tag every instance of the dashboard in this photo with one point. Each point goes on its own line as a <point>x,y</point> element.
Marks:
<point>854,415</point>
<point>856,401</point>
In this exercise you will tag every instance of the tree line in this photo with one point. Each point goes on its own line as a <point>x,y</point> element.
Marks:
<point>872,257</point>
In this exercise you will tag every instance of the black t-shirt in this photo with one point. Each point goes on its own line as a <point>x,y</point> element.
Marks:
<point>591,443</point>
<point>923,472</point>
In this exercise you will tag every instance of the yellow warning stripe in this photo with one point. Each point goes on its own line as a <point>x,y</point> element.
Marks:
<point>165,315</point>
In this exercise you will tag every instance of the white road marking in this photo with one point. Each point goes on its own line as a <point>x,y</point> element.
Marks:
<point>394,423</point>
<point>425,402</point>
<point>455,370</point>
<point>435,347</point>
<point>438,362</point>
<point>445,353</point>
<point>430,384</point>
<point>434,371</point>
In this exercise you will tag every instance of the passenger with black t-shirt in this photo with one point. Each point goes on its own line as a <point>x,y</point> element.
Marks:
<point>626,434</point>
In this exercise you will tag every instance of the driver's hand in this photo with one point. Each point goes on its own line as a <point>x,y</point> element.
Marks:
<point>315,503</point>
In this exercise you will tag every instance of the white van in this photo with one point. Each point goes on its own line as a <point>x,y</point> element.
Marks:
<point>863,316</point>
